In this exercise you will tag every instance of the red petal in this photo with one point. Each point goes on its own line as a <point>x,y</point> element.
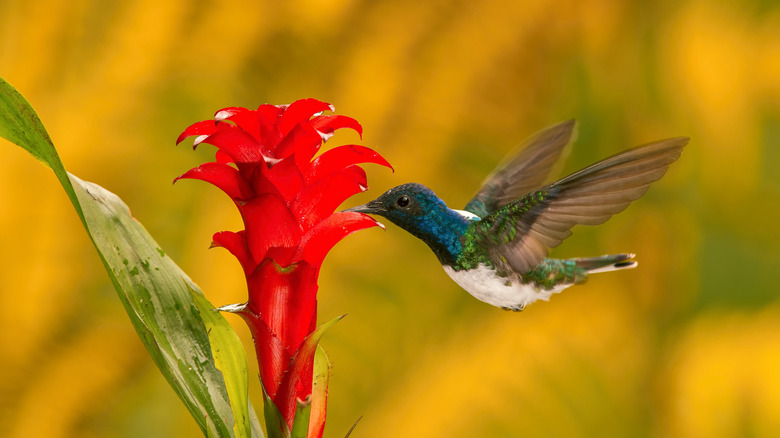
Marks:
<point>297,382</point>
<point>241,147</point>
<point>327,125</point>
<point>236,244</point>
<point>301,111</point>
<point>224,177</point>
<point>341,157</point>
<point>261,182</point>
<point>319,240</point>
<point>206,127</point>
<point>269,223</point>
<point>283,256</point>
<point>268,117</point>
<point>303,141</point>
<point>250,122</point>
<point>286,177</point>
<point>319,199</point>
<point>222,157</point>
<point>272,357</point>
<point>287,300</point>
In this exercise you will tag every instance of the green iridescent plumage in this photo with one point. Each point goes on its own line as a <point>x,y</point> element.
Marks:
<point>552,272</point>
<point>497,228</point>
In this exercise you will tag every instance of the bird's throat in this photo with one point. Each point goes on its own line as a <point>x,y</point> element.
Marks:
<point>442,231</point>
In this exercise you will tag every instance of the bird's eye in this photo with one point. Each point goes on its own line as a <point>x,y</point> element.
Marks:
<point>403,201</point>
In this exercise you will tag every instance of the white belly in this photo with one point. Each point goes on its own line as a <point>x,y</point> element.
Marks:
<point>507,293</point>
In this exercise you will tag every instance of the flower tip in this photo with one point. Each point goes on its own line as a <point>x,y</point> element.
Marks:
<point>232,308</point>
<point>376,222</point>
<point>271,162</point>
<point>223,114</point>
<point>325,136</point>
<point>198,140</point>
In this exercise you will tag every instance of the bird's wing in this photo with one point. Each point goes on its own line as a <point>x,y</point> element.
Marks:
<point>521,233</point>
<point>523,170</point>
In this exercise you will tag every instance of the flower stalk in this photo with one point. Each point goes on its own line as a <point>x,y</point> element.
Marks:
<point>266,163</point>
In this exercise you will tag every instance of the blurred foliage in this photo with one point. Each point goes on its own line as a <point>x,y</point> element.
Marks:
<point>686,345</point>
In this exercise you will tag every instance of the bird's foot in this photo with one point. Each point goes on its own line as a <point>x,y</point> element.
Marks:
<point>518,308</point>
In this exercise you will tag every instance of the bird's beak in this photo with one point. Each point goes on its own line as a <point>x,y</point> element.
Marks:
<point>370,208</point>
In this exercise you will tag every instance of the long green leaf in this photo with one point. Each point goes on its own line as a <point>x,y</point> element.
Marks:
<point>153,289</point>
<point>300,428</point>
<point>20,125</point>
<point>225,343</point>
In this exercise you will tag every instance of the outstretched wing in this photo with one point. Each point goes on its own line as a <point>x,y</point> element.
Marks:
<point>523,171</point>
<point>521,233</point>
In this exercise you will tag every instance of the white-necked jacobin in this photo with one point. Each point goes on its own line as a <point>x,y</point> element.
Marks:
<point>496,248</point>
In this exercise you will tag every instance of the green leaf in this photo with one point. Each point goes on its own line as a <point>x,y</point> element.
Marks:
<point>158,296</point>
<point>300,427</point>
<point>20,125</point>
<point>229,357</point>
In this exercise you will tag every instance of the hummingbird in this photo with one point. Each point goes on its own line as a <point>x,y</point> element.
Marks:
<point>496,247</point>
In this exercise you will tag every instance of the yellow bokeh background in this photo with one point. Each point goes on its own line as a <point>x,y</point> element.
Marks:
<point>687,345</point>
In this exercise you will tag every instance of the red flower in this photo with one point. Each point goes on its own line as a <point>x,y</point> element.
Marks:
<point>266,163</point>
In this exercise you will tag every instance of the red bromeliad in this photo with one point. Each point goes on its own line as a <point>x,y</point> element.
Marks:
<point>287,197</point>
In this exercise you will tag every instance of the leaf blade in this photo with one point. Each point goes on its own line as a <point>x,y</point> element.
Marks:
<point>20,125</point>
<point>155,292</point>
<point>225,346</point>
<point>156,296</point>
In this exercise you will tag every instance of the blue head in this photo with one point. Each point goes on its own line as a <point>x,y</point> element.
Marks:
<point>418,210</point>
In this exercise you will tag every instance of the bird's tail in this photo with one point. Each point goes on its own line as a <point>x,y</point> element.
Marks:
<point>607,263</point>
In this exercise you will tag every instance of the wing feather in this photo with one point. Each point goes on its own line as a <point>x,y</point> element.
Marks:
<point>542,219</point>
<point>525,170</point>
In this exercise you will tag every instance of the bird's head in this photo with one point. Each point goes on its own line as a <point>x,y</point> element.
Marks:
<point>416,209</point>
<point>406,205</point>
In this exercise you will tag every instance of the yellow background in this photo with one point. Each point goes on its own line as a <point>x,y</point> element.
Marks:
<point>687,345</point>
